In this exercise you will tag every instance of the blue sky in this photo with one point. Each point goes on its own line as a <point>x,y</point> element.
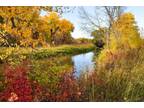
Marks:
<point>75,19</point>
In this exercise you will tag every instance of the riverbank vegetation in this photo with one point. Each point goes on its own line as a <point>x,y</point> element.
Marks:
<point>8,54</point>
<point>36,50</point>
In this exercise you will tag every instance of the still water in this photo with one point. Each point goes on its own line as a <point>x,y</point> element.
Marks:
<point>83,63</point>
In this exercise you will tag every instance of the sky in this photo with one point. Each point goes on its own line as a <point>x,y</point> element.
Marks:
<point>75,19</point>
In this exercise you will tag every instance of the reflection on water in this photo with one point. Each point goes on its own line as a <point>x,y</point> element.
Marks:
<point>83,63</point>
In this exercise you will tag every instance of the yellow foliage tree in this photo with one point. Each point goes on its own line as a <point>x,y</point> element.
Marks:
<point>125,33</point>
<point>19,24</point>
<point>124,36</point>
<point>59,29</point>
<point>65,29</point>
<point>24,26</point>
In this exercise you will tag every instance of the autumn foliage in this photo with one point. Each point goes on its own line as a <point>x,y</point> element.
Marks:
<point>25,26</point>
<point>34,68</point>
<point>18,86</point>
<point>125,33</point>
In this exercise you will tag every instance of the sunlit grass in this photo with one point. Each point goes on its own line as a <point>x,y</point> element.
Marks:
<point>118,80</point>
<point>39,53</point>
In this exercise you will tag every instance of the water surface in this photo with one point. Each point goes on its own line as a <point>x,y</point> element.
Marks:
<point>83,63</point>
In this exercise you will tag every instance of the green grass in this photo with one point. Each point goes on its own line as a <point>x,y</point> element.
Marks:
<point>61,50</point>
<point>40,53</point>
<point>47,71</point>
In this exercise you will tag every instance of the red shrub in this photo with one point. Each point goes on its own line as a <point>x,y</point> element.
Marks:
<point>18,85</point>
<point>20,88</point>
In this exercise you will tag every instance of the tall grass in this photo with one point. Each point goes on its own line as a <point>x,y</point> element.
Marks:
<point>121,79</point>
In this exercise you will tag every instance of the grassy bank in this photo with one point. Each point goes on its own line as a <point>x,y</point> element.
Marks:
<point>9,54</point>
<point>61,50</point>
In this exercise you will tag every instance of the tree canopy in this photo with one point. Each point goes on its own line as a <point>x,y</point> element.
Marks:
<point>125,32</point>
<point>24,26</point>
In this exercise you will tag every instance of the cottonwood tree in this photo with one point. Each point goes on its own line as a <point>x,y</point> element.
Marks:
<point>24,26</point>
<point>59,29</point>
<point>18,23</point>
